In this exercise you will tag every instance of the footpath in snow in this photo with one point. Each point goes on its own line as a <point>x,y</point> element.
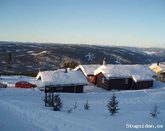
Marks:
<point>23,109</point>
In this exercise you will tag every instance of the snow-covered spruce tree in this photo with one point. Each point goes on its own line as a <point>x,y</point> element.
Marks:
<point>57,103</point>
<point>113,105</point>
<point>48,100</point>
<point>155,112</point>
<point>86,105</point>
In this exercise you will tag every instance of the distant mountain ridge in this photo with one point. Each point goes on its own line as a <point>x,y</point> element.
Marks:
<point>32,57</point>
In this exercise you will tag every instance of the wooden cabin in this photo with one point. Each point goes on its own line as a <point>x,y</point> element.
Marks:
<point>124,77</point>
<point>113,82</point>
<point>159,68</point>
<point>88,71</point>
<point>63,81</point>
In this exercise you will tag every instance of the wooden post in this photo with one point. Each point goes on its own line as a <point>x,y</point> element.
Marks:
<point>52,97</point>
<point>46,95</point>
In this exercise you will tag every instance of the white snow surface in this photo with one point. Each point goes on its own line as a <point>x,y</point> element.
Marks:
<point>138,72</point>
<point>87,69</point>
<point>11,80</point>
<point>24,110</point>
<point>59,77</point>
<point>150,52</point>
<point>40,53</point>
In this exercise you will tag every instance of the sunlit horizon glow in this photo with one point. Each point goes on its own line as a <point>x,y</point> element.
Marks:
<point>139,23</point>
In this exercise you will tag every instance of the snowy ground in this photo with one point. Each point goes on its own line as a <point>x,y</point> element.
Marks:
<point>11,80</point>
<point>23,109</point>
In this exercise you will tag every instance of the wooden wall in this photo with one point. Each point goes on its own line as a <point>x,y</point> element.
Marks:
<point>69,89</point>
<point>143,85</point>
<point>121,83</point>
<point>100,83</point>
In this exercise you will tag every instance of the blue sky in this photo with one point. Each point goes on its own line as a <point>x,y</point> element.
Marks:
<point>110,22</point>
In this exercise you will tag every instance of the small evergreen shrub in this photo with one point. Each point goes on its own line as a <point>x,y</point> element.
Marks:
<point>48,100</point>
<point>69,110</point>
<point>75,105</point>
<point>86,105</point>
<point>57,103</point>
<point>155,112</point>
<point>113,105</point>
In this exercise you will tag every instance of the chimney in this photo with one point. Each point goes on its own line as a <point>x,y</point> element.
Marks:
<point>158,63</point>
<point>104,61</point>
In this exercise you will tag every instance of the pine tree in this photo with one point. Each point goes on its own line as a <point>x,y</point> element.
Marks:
<point>48,100</point>
<point>86,105</point>
<point>155,112</point>
<point>9,60</point>
<point>75,105</point>
<point>57,103</point>
<point>113,105</point>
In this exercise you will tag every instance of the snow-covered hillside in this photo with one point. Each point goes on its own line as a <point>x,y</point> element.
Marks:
<point>23,109</point>
<point>29,58</point>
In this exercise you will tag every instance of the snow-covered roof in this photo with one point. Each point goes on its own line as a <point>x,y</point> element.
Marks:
<point>44,74</point>
<point>158,68</point>
<point>87,69</point>
<point>59,77</point>
<point>137,72</point>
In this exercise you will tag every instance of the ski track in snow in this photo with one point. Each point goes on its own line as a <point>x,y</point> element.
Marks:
<point>45,123</point>
<point>27,111</point>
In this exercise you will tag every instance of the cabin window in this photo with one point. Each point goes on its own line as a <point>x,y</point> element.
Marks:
<point>103,80</point>
<point>126,81</point>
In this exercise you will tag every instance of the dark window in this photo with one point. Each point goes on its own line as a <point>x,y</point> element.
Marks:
<point>126,81</point>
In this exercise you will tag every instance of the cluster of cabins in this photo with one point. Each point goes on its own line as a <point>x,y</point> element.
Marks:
<point>107,76</point>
